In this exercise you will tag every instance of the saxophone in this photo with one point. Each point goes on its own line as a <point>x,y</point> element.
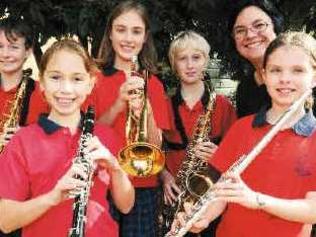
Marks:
<point>237,167</point>
<point>82,196</point>
<point>12,119</point>
<point>190,176</point>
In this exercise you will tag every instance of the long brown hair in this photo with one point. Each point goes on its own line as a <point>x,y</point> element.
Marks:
<point>147,56</point>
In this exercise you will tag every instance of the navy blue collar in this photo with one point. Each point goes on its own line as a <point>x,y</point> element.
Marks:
<point>304,127</point>
<point>109,70</point>
<point>50,126</point>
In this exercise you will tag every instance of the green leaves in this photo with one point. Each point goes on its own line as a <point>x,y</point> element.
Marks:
<point>87,19</point>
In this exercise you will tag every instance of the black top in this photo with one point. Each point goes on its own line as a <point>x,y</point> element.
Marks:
<point>250,97</point>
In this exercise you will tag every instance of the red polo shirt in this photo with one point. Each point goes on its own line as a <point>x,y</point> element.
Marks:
<point>222,118</point>
<point>32,163</point>
<point>37,104</point>
<point>285,168</point>
<point>106,92</point>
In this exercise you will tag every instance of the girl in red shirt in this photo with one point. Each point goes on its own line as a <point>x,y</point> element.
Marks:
<point>127,34</point>
<point>38,161</point>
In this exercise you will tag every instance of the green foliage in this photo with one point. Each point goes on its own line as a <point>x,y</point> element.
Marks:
<point>87,19</point>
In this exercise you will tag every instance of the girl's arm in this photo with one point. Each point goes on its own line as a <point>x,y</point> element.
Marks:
<point>123,192</point>
<point>17,214</point>
<point>298,210</point>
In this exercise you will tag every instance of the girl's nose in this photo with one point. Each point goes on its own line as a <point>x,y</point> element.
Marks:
<point>66,86</point>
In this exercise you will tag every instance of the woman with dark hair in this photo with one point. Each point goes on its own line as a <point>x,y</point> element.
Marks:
<point>253,25</point>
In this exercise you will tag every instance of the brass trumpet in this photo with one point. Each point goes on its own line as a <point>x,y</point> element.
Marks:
<point>140,158</point>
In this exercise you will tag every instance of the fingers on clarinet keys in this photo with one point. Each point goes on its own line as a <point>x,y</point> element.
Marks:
<point>78,182</point>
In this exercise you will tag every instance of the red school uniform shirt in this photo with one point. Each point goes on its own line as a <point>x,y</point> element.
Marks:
<point>285,168</point>
<point>33,162</point>
<point>33,104</point>
<point>104,96</point>
<point>222,117</point>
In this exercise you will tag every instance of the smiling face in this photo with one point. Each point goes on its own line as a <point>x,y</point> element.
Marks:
<point>190,64</point>
<point>12,54</point>
<point>288,74</point>
<point>253,45</point>
<point>66,84</point>
<point>128,35</point>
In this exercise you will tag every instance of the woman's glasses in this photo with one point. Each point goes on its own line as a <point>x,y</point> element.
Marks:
<point>240,32</point>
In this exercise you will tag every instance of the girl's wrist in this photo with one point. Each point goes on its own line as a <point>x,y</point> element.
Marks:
<point>260,201</point>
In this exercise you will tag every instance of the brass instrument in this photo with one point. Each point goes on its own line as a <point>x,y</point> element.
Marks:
<point>82,195</point>
<point>140,158</point>
<point>237,167</point>
<point>192,177</point>
<point>12,119</point>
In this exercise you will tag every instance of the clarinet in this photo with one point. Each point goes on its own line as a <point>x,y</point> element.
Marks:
<point>82,195</point>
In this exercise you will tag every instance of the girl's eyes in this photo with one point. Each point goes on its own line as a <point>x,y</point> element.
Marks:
<point>274,70</point>
<point>135,31</point>
<point>78,79</point>
<point>298,70</point>
<point>54,77</point>
<point>120,29</point>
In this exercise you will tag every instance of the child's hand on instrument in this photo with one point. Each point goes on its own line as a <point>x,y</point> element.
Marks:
<point>7,134</point>
<point>170,188</point>
<point>236,191</point>
<point>205,150</point>
<point>98,153</point>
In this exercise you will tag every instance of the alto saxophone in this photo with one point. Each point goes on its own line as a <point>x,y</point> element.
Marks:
<point>190,177</point>
<point>237,167</point>
<point>12,119</point>
<point>82,197</point>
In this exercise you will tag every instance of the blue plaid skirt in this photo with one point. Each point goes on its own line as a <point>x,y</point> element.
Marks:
<point>141,220</point>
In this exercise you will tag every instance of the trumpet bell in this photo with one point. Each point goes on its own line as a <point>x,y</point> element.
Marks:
<point>141,159</point>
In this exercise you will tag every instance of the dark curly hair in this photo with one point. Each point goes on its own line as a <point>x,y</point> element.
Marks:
<point>268,7</point>
<point>17,27</point>
<point>237,64</point>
